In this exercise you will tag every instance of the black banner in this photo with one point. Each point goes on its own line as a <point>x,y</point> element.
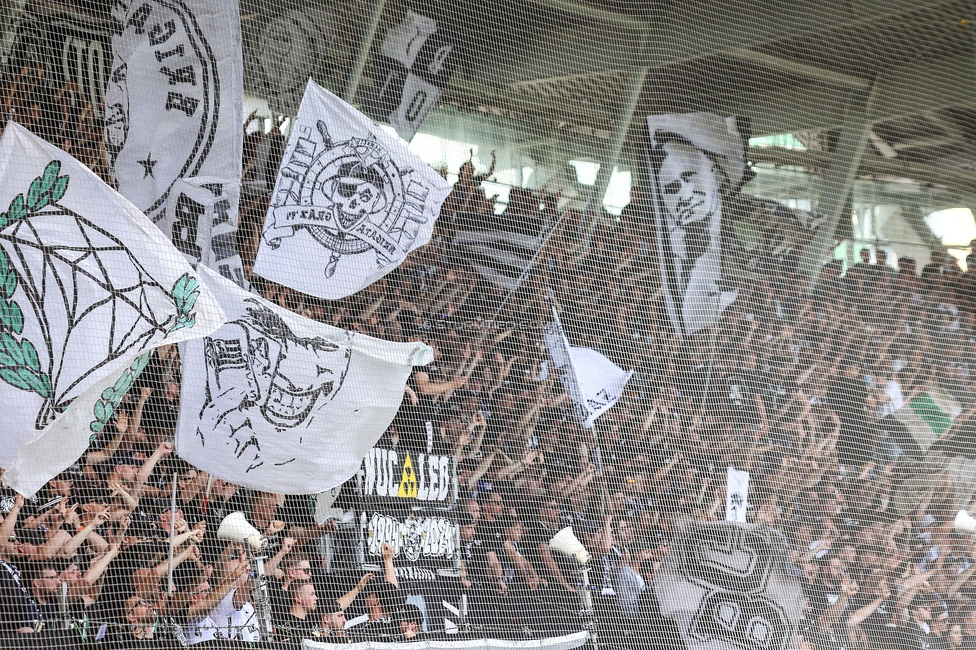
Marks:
<point>417,60</point>
<point>74,50</point>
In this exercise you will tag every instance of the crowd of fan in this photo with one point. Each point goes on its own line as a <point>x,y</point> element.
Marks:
<point>796,389</point>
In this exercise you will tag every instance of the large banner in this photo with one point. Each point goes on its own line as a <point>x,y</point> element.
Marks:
<point>418,58</point>
<point>175,96</point>
<point>280,403</point>
<point>285,51</point>
<point>87,284</point>
<point>71,47</point>
<point>426,543</point>
<point>725,587</point>
<point>349,204</point>
<point>401,477</point>
<point>697,160</point>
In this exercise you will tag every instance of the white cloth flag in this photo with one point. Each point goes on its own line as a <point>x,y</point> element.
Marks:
<point>349,204</point>
<point>175,97</point>
<point>593,382</point>
<point>67,439</point>
<point>736,495</point>
<point>87,284</point>
<point>201,220</point>
<point>696,160</point>
<point>277,402</point>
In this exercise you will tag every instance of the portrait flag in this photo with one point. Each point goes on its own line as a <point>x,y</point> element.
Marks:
<point>349,204</point>
<point>280,403</point>
<point>174,102</point>
<point>87,285</point>
<point>697,160</point>
<point>593,382</point>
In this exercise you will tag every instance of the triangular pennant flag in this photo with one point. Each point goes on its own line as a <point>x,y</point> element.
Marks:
<point>593,382</point>
<point>280,403</point>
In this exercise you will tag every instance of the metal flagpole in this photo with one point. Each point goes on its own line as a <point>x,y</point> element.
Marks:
<point>172,535</point>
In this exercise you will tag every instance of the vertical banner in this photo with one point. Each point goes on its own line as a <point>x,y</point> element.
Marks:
<point>175,98</point>
<point>201,220</point>
<point>736,495</point>
<point>418,59</point>
<point>290,49</point>
<point>697,160</point>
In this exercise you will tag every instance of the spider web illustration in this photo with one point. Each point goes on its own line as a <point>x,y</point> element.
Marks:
<point>92,299</point>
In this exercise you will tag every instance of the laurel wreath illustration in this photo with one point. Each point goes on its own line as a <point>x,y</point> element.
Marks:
<point>112,396</point>
<point>19,364</point>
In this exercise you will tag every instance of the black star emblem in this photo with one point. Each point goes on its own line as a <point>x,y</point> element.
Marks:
<point>148,165</point>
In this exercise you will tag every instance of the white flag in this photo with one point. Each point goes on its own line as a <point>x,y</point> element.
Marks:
<point>418,59</point>
<point>593,382</point>
<point>87,284</point>
<point>349,204</point>
<point>67,439</point>
<point>696,160</point>
<point>736,495</point>
<point>201,220</point>
<point>281,403</point>
<point>175,97</point>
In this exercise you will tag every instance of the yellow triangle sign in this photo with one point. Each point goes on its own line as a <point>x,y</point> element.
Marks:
<point>408,482</point>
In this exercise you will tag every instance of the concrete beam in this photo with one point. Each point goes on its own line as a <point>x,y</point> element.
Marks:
<point>949,176</point>
<point>836,190</point>
<point>688,31</point>
<point>918,87</point>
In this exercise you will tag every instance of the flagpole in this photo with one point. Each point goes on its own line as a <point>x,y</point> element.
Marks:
<point>521,278</point>
<point>172,535</point>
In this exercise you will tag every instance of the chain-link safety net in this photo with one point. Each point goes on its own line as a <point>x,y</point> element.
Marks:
<point>617,324</point>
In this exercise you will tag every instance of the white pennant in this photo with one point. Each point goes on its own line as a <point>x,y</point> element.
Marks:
<point>277,402</point>
<point>87,284</point>
<point>593,382</point>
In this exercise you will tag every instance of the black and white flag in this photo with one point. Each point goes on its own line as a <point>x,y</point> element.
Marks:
<point>280,403</point>
<point>696,161</point>
<point>291,49</point>
<point>201,220</point>
<point>593,382</point>
<point>349,204</point>
<point>418,59</point>
<point>175,98</point>
<point>727,586</point>
<point>88,285</point>
<point>499,256</point>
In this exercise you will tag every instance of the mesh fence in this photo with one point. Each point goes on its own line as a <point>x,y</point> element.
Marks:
<point>539,323</point>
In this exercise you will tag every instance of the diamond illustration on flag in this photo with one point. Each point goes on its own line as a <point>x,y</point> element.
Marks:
<point>69,268</point>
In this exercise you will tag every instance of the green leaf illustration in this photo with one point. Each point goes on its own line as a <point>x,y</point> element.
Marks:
<point>50,175</point>
<point>8,277</point>
<point>59,189</point>
<point>17,210</point>
<point>185,292</point>
<point>20,365</point>
<point>104,408</point>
